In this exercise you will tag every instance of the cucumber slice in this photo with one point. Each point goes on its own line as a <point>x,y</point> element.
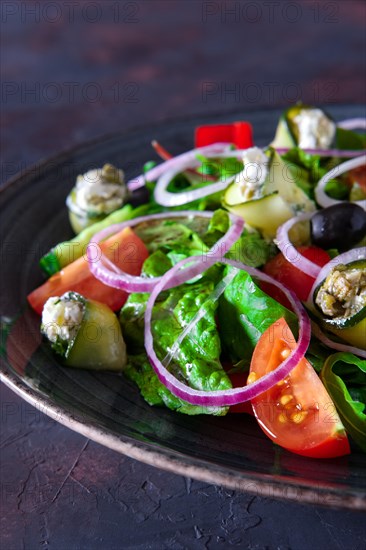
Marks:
<point>283,137</point>
<point>282,178</point>
<point>351,329</point>
<point>281,199</point>
<point>265,214</point>
<point>99,344</point>
<point>80,219</point>
<point>290,115</point>
<point>287,133</point>
<point>355,336</point>
<point>288,130</point>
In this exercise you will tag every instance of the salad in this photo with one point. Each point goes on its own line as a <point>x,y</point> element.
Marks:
<point>230,278</point>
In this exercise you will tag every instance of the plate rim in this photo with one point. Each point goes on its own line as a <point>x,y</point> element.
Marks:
<point>289,489</point>
<point>263,485</point>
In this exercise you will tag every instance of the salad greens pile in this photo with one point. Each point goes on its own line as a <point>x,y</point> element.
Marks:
<point>226,326</point>
<point>344,377</point>
<point>198,360</point>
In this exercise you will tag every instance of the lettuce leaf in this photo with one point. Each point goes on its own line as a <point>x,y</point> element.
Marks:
<point>349,140</point>
<point>139,371</point>
<point>197,359</point>
<point>244,313</point>
<point>250,248</point>
<point>344,377</point>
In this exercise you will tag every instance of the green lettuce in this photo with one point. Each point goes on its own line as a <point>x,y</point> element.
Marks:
<point>350,140</point>
<point>245,312</point>
<point>250,249</point>
<point>197,358</point>
<point>344,377</point>
<point>140,371</point>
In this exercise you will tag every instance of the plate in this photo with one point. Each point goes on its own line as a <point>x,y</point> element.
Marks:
<point>229,451</point>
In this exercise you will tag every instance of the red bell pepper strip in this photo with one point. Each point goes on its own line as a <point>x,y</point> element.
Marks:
<point>238,133</point>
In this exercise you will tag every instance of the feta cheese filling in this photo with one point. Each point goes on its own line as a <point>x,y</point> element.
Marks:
<point>316,130</point>
<point>250,180</point>
<point>62,317</point>
<point>343,293</point>
<point>101,191</point>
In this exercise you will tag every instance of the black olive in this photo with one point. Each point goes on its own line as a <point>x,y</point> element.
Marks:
<point>340,226</point>
<point>139,196</point>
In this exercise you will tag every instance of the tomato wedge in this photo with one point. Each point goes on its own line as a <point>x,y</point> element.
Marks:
<point>239,133</point>
<point>125,249</point>
<point>296,413</point>
<point>285,272</point>
<point>357,175</point>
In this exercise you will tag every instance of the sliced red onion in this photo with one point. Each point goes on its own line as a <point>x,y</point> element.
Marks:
<point>347,257</point>
<point>235,395</point>
<point>340,153</point>
<point>108,273</point>
<point>157,171</point>
<point>353,124</point>
<point>291,254</point>
<point>165,198</point>
<point>321,197</point>
<point>336,345</point>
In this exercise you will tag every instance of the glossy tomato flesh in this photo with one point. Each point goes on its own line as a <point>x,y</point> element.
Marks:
<point>289,275</point>
<point>297,413</point>
<point>357,175</point>
<point>125,249</point>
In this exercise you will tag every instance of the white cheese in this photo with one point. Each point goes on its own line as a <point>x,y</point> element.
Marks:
<point>316,130</point>
<point>252,177</point>
<point>101,190</point>
<point>343,293</point>
<point>61,318</point>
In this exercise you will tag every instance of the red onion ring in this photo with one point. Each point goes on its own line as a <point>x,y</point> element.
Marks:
<point>108,273</point>
<point>157,171</point>
<point>336,345</point>
<point>340,153</point>
<point>321,197</point>
<point>235,395</point>
<point>165,198</point>
<point>291,254</point>
<point>353,123</point>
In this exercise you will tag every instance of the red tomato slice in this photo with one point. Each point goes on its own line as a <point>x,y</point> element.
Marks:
<point>357,175</point>
<point>238,133</point>
<point>297,413</point>
<point>125,249</point>
<point>286,273</point>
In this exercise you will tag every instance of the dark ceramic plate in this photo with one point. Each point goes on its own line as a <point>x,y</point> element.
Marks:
<point>230,451</point>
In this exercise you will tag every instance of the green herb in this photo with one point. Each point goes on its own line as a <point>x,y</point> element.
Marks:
<point>344,376</point>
